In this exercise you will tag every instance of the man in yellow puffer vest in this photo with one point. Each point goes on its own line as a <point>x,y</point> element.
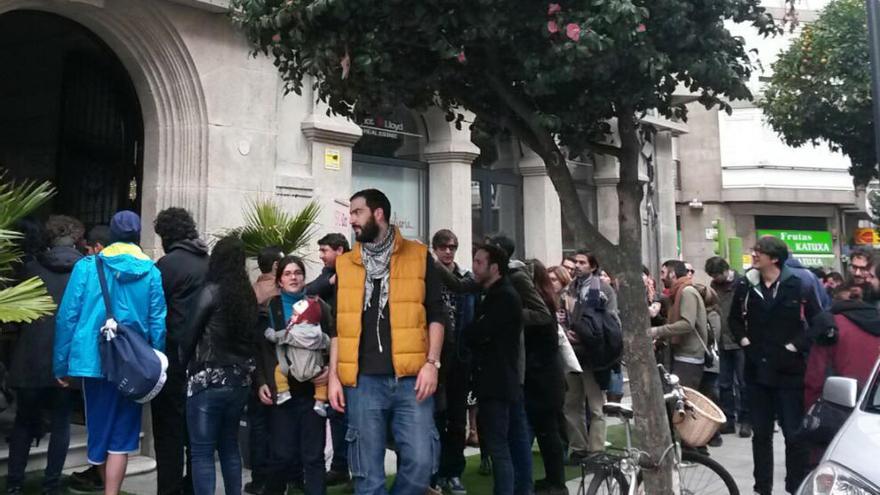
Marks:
<point>385,351</point>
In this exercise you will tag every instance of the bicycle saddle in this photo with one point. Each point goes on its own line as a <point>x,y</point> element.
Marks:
<point>615,409</point>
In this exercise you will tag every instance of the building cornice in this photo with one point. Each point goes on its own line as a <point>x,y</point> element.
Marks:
<point>215,6</point>
<point>338,131</point>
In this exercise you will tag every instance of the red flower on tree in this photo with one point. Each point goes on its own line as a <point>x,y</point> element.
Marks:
<point>552,27</point>
<point>553,8</point>
<point>573,31</point>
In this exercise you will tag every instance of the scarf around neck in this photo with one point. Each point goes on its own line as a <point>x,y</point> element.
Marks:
<point>675,295</point>
<point>376,257</point>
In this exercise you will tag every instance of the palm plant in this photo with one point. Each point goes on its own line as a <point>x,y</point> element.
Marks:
<point>28,300</point>
<point>267,224</point>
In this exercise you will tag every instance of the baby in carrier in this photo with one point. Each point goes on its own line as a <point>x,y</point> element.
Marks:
<point>300,351</point>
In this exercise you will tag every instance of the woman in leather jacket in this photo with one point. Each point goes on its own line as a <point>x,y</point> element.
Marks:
<point>296,430</point>
<point>219,350</point>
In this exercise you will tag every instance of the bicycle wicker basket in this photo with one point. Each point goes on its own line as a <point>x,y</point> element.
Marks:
<point>698,424</point>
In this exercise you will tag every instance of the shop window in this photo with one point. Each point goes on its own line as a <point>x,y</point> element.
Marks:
<point>406,185</point>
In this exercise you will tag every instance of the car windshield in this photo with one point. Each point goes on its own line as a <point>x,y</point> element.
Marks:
<point>872,404</point>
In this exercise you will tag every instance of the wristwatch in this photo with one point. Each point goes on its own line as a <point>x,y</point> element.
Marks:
<point>433,362</point>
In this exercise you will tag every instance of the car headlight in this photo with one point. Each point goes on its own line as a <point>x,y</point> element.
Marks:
<point>834,479</point>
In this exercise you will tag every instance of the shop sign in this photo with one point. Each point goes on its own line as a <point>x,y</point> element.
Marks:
<point>814,242</point>
<point>382,127</point>
<point>866,236</point>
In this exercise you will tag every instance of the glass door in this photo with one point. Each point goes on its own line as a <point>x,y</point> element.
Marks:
<point>496,206</point>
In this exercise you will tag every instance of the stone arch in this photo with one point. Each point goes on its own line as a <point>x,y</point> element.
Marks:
<point>168,88</point>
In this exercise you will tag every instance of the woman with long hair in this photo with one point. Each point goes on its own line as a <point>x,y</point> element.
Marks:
<point>219,350</point>
<point>545,387</point>
<point>296,423</point>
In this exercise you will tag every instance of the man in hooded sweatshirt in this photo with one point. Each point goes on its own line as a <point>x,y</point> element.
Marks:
<point>38,394</point>
<point>853,354</point>
<point>113,422</point>
<point>183,270</point>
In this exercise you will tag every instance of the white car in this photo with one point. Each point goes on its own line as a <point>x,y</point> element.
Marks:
<point>851,464</point>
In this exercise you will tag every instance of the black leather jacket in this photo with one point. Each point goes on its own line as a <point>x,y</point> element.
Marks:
<point>208,338</point>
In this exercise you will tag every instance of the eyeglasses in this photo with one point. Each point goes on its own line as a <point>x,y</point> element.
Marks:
<point>448,247</point>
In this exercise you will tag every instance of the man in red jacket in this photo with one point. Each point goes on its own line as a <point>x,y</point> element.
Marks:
<point>855,352</point>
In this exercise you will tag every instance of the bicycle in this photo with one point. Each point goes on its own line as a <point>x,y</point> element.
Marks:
<point>621,473</point>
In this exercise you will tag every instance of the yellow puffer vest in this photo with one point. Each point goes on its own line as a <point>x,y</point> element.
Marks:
<point>406,298</point>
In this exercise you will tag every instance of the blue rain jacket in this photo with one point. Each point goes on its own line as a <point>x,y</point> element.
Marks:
<point>137,299</point>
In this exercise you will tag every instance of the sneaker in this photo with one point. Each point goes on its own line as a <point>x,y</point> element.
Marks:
<point>13,490</point>
<point>485,466</point>
<point>728,428</point>
<point>337,477</point>
<point>454,486</point>
<point>716,441</point>
<point>745,430</point>
<point>255,487</point>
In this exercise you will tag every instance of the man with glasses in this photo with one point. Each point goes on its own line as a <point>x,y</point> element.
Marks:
<point>767,318</point>
<point>451,397</point>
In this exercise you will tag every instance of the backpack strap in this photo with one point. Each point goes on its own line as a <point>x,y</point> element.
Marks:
<point>105,293</point>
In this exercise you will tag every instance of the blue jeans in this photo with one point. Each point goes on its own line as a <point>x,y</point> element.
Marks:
<point>338,426</point>
<point>377,403</point>
<point>786,405</point>
<point>33,404</point>
<point>504,432</point>
<point>212,417</point>
<point>297,441</point>
<point>732,388</point>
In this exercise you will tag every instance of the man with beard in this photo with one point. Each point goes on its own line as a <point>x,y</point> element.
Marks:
<point>495,337</point>
<point>686,330</point>
<point>183,270</point>
<point>385,349</point>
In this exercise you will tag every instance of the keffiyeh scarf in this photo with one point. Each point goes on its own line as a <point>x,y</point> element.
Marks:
<point>377,262</point>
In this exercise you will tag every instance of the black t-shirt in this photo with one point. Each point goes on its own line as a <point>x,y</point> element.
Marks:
<point>374,354</point>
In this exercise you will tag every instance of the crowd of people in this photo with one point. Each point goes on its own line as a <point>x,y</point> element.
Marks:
<point>395,346</point>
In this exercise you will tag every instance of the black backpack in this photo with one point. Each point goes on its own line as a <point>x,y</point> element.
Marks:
<point>601,339</point>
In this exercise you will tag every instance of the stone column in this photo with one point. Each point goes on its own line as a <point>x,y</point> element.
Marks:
<point>606,176</point>
<point>542,213</point>
<point>449,155</point>
<point>330,142</point>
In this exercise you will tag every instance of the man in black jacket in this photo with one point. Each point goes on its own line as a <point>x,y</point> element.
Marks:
<point>495,337</point>
<point>768,318</point>
<point>183,269</point>
<point>40,401</point>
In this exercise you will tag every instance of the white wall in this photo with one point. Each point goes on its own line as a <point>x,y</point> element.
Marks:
<point>752,154</point>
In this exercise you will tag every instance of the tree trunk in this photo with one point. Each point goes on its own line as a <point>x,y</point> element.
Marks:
<point>651,424</point>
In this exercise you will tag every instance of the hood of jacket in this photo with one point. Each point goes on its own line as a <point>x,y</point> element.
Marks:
<point>862,314</point>
<point>195,246</point>
<point>753,275</point>
<point>793,262</point>
<point>126,261</point>
<point>60,259</point>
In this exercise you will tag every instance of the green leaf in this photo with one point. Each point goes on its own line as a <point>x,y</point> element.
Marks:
<point>25,302</point>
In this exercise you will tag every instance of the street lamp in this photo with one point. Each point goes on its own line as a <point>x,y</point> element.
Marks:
<point>873,7</point>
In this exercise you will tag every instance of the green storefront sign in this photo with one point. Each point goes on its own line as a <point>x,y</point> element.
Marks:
<point>811,247</point>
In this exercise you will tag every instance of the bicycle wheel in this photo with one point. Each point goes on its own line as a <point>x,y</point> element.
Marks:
<point>608,480</point>
<point>701,475</point>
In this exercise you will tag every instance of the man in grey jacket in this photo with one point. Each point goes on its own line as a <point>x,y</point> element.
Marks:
<point>685,331</point>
